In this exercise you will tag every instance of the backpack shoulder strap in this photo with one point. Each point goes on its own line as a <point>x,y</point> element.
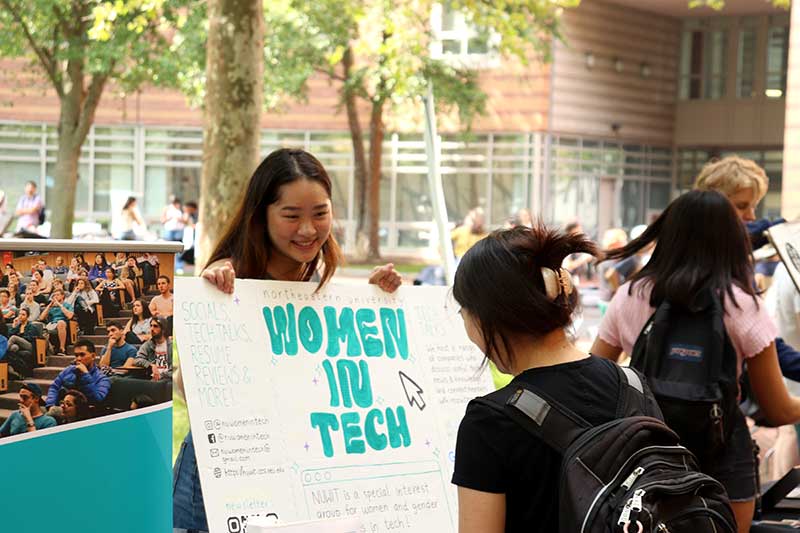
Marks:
<point>632,400</point>
<point>543,418</point>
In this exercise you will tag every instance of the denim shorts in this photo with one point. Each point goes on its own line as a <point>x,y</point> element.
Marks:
<point>188,512</point>
<point>736,467</point>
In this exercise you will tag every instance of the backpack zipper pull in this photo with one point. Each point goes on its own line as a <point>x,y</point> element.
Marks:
<point>625,515</point>
<point>636,501</point>
<point>662,528</point>
<point>628,483</point>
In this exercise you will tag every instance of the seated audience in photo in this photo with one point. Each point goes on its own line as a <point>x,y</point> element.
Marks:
<point>117,351</point>
<point>7,307</point>
<point>9,270</point>
<point>109,290</point>
<point>45,289</point>
<point>82,262</point>
<point>60,269</point>
<point>31,305</point>
<point>142,400</point>
<point>75,272</point>
<point>59,284</point>
<point>83,300</point>
<point>98,271</point>
<point>56,315</point>
<point>156,353</point>
<point>161,305</point>
<point>119,262</point>
<point>148,263</point>
<point>137,330</point>
<point>128,273</point>
<point>21,346</point>
<point>83,375</point>
<point>29,417</point>
<point>15,291</point>
<point>74,406</point>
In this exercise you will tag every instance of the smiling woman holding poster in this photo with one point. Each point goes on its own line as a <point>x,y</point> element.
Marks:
<point>281,231</point>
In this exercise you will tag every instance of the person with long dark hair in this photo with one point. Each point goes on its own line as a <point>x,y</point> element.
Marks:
<point>281,231</point>
<point>517,304</point>
<point>74,406</point>
<point>137,330</point>
<point>702,246</point>
<point>131,220</point>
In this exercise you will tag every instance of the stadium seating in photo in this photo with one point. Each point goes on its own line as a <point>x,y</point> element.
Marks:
<point>48,365</point>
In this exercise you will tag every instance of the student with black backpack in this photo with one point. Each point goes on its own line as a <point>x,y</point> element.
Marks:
<point>574,443</point>
<point>690,319</point>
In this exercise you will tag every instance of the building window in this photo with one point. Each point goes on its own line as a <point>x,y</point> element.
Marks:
<point>777,57</point>
<point>702,72</point>
<point>746,63</point>
<point>456,39</point>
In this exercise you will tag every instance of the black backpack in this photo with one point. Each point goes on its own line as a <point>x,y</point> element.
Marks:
<point>623,474</point>
<point>690,366</point>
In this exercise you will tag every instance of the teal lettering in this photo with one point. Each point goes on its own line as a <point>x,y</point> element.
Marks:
<point>354,383</point>
<point>281,328</point>
<point>325,422</point>
<point>331,379</point>
<point>341,330</point>
<point>393,324</point>
<point>309,329</point>
<point>369,333</point>
<point>397,428</point>
<point>352,433</point>
<point>376,441</point>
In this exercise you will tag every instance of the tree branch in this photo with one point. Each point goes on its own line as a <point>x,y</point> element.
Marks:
<point>93,95</point>
<point>45,57</point>
<point>330,73</point>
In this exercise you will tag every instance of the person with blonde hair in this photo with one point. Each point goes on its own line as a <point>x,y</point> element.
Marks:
<point>745,184</point>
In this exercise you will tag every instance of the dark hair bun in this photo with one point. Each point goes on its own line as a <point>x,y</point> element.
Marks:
<point>499,282</point>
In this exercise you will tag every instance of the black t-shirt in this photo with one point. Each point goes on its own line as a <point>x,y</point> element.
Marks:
<point>495,454</point>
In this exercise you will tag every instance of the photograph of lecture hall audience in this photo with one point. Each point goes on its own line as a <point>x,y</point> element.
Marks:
<point>82,335</point>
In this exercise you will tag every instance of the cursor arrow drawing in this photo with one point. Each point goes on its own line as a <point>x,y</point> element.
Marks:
<point>413,391</point>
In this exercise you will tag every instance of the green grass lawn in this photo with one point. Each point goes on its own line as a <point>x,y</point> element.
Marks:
<point>180,420</point>
<point>403,268</point>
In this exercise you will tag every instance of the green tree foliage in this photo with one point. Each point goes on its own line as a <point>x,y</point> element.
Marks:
<point>378,54</point>
<point>81,46</point>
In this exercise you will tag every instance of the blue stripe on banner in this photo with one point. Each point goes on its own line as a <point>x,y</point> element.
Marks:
<point>110,476</point>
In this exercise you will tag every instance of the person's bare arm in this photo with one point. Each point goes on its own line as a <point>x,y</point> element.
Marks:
<point>105,360</point>
<point>481,512</point>
<point>601,348</point>
<point>778,405</point>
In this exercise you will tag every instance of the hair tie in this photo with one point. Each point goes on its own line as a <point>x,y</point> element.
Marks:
<point>556,282</point>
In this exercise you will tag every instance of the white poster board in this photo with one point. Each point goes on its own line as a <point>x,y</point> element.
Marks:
<point>341,404</point>
<point>786,240</point>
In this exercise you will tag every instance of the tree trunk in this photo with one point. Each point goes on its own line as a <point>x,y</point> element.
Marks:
<point>376,134</point>
<point>232,113</point>
<point>357,138</point>
<point>70,141</point>
<point>65,184</point>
